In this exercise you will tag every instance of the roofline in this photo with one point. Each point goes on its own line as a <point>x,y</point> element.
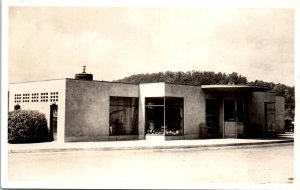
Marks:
<point>101,81</point>
<point>234,86</point>
<point>37,81</point>
<point>202,86</point>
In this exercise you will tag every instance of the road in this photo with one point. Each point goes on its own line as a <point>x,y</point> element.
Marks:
<point>255,165</point>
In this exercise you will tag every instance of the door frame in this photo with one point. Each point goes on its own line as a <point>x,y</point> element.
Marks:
<point>53,107</point>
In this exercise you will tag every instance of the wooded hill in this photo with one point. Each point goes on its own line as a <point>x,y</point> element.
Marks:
<point>209,78</point>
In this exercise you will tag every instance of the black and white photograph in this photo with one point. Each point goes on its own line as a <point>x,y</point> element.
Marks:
<point>147,95</point>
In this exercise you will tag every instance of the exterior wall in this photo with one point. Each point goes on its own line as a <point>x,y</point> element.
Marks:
<point>194,107</point>
<point>87,109</point>
<point>44,107</point>
<point>280,114</point>
<point>257,110</point>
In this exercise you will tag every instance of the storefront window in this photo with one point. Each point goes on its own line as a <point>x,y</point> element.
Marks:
<point>164,116</point>
<point>123,116</point>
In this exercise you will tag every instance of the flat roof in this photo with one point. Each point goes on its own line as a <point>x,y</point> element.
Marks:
<point>235,88</point>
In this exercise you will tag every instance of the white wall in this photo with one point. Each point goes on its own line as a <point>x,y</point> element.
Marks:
<point>47,86</point>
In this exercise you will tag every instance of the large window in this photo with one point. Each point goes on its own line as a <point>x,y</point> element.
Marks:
<point>123,116</point>
<point>236,110</point>
<point>164,116</point>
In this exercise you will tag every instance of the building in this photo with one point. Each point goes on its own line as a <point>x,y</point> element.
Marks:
<point>83,109</point>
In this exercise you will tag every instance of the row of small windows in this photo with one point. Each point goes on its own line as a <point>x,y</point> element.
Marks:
<point>35,97</point>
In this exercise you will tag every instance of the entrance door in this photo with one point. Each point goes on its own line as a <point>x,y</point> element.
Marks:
<point>230,119</point>
<point>236,114</point>
<point>212,117</point>
<point>53,122</point>
<point>270,116</point>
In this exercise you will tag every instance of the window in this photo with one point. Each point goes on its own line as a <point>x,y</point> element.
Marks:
<point>123,116</point>
<point>236,110</point>
<point>270,118</point>
<point>26,98</point>
<point>229,110</point>
<point>34,97</point>
<point>174,116</point>
<point>54,97</point>
<point>44,97</point>
<point>17,98</point>
<point>164,116</point>
<point>212,116</point>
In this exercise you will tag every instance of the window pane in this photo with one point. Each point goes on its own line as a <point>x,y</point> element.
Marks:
<point>123,116</point>
<point>229,108</point>
<point>174,116</point>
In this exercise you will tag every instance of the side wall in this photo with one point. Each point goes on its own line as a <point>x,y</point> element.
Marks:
<point>280,114</point>
<point>44,107</point>
<point>257,110</point>
<point>87,109</point>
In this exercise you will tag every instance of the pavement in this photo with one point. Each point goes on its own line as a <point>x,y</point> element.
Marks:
<point>144,144</point>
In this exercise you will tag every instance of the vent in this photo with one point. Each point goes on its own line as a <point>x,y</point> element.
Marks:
<point>84,75</point>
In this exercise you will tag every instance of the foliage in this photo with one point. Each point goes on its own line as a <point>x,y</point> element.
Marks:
<point>189,78</point>
<point>209,78</point>
<point>27,126</point>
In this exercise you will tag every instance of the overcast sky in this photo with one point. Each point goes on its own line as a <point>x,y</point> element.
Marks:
<point>50,43</point>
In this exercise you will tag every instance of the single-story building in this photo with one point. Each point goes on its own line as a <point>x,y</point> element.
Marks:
<point>83,109</point>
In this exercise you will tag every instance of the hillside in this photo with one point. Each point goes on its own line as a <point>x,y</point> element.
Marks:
<point>209,77</point>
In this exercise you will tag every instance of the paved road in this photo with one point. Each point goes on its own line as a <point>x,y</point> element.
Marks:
<point>259,165</point>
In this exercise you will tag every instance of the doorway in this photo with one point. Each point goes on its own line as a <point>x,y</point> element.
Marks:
<point>53,122</point>
<point>270,119</point>
<point>236,114</point>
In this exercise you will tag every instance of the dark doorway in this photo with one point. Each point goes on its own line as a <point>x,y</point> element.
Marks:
<point>270,119</point>
<point>212,117</point>
<point>53,122</point>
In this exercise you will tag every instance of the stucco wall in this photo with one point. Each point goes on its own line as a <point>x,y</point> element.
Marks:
<point>87,109</point>
<point>280,113</point>
<point>44,107</point>
<point>257,110</point>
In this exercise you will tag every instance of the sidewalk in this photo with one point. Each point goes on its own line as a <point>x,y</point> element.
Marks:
<point>143,144</point>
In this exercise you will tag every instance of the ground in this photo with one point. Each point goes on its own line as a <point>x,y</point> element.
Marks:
<point>261,164</point>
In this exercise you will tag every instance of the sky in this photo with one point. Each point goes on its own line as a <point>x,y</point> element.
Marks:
<point>55,42</point>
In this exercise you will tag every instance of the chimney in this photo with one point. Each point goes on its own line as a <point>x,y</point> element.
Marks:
<point>84,75</point>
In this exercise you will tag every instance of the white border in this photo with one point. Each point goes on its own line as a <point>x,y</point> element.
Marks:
<point>145,3</point>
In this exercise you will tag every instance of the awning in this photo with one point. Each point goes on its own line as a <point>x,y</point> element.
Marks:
<point>234,88</point>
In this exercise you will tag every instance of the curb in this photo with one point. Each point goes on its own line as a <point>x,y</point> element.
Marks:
<point>149,147</point>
